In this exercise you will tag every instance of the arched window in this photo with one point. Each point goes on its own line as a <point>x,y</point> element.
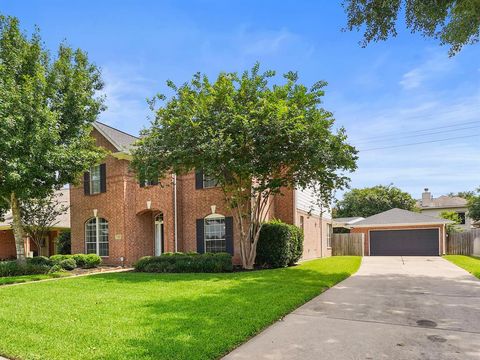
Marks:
<point>96,236</point>
<point>215,233</point>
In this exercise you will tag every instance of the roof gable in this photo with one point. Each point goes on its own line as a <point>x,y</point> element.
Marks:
<point>400,217</point>
<point>122,141</point>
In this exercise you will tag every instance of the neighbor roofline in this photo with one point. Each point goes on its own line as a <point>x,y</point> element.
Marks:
<point>443,207</point>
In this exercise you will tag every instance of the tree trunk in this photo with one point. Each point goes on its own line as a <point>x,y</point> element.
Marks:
<point>17,228</point>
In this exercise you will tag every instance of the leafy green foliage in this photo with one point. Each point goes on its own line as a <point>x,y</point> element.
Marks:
<point>40,260</point>
<point>453,216</point>
<point>64,243</point>
<point>279,244</point>
<point>157,316</point>
<point>186,263</point>
<point>243,127</point>
<point>474,207</point>
<point>454,22</point>
<point>47,107</point>
<point>464,194</point>
<point>85,261</point>
<point>370,201</point>
<point>12,268</point>
<point>68,264</point>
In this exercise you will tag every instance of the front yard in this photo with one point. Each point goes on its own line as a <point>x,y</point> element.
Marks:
<point>469,263</point>
<point>155,316</point>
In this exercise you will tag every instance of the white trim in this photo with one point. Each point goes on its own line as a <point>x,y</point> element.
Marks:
<point>214,216</point>
<point>421,228</point>
<point>399,224</point>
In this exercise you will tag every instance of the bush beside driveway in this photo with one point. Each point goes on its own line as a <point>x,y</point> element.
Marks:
<point>469,263</point>
<point>156,316</point>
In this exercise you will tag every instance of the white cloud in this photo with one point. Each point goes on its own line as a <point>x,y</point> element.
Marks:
<point>412,79</point>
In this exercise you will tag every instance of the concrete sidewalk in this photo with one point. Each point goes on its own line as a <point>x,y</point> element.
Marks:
<point>392,308</point>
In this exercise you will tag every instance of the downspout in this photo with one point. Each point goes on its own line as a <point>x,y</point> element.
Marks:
<point>175,231</point>
<point>321,230</point>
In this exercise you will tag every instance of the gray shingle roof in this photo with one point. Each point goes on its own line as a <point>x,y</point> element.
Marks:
<point>444,202</point>
<point>400,217</point>
<point>121,140</point>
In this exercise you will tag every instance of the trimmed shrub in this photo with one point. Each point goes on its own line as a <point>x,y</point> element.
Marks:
<point>12,268</point>
<point>186,263</point>
<point>68,264</point>
<point>85,261</point>
<point>279,245</point>
<point>56,268</point>
<point>39,260</point>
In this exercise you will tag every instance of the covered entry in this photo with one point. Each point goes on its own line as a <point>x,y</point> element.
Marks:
<point>411,242</point>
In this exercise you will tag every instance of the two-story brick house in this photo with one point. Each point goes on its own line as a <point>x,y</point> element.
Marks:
<point>115,216</point>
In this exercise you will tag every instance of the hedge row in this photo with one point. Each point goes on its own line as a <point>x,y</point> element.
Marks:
<point>185,263</point>
<point>279,245</point>
<point>44,265</point>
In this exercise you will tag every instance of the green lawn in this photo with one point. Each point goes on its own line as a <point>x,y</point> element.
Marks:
<point>469,263</point>
<point>27,278</point>
<point>155,316</point>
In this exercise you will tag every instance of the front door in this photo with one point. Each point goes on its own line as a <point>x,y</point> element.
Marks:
<point>158,235</point>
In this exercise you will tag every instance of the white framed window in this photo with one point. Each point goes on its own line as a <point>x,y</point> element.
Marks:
<point>95,180</point>
<point>329,235</point>
<point>214,228</point>
<point>209,182</point>
<point>96,236</point>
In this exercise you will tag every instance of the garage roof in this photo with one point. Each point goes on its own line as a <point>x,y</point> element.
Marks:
<point>400,217</point>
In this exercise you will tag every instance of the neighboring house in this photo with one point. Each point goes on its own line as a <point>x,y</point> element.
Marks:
<point>402,233</point>
<point>434,206</point>
<point>7,240</point>
<point>120,219</point>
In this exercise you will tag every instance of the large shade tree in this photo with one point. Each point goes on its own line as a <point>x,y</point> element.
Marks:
<point>373,200</point>
<point>253,137</point>
<point>47,106</point>
<point>474,206</point>
<point>455,23</point>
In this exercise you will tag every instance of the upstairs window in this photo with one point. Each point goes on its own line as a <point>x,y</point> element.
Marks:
<point>204,181</point>
<point>148,178</point>
<point>95,180</point>
<point>461,215</point>
<point>209,182</point>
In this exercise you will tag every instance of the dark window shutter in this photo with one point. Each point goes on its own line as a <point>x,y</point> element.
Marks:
<point>86,183</point>
<point>229,234</point>
<point>200,236</point>
<point>103,178</point>
<point>198,179</point>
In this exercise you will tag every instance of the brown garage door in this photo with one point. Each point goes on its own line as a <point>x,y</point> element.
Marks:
<point>414,242</point>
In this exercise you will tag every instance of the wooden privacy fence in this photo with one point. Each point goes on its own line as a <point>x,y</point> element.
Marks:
<point>464,243</point>
<point>347,244</point>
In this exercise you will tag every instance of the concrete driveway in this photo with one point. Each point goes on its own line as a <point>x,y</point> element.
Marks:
<point>392,308</point>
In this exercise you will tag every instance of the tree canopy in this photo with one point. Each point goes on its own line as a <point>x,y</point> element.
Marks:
<point>373,200</point>
<point>47,107</point>
<point>455,23</point>
<point>474,206</point>
<point>453,216</point>
<point>253,137</point>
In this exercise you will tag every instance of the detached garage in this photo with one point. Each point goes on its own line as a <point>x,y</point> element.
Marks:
<point>400,232</point>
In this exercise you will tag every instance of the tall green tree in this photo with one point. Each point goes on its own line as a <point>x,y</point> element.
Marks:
<point>253,137</point>
<point>373,200</point>
<point>455,23</point>
<point>47,107</point>
<point>474,206</point>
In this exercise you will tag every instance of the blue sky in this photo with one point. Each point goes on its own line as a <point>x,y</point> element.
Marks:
<point>385,95</point>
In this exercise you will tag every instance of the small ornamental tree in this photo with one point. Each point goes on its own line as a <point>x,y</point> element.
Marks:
<point>39,216</point>
<point>253,137</point>
<point>47,107</point>
<point>370,201</point>
<point>454,22</point>
<point>453,216</point>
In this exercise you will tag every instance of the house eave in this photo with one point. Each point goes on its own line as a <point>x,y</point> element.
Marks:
<point>400,224</point>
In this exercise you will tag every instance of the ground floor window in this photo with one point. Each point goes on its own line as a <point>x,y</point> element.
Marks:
<point>215,234</point>
<point>96,236</point>
<point>329,235</point>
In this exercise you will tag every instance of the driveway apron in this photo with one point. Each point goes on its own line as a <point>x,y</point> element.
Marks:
<point>392,308</point>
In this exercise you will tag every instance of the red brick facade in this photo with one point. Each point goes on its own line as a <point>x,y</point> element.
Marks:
<point>131,210</point>
<point>8,250</point>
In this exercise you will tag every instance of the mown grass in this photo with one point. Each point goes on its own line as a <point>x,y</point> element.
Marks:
<point>27,278</point>
<point>469,263</point>
<point>155,316</point>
